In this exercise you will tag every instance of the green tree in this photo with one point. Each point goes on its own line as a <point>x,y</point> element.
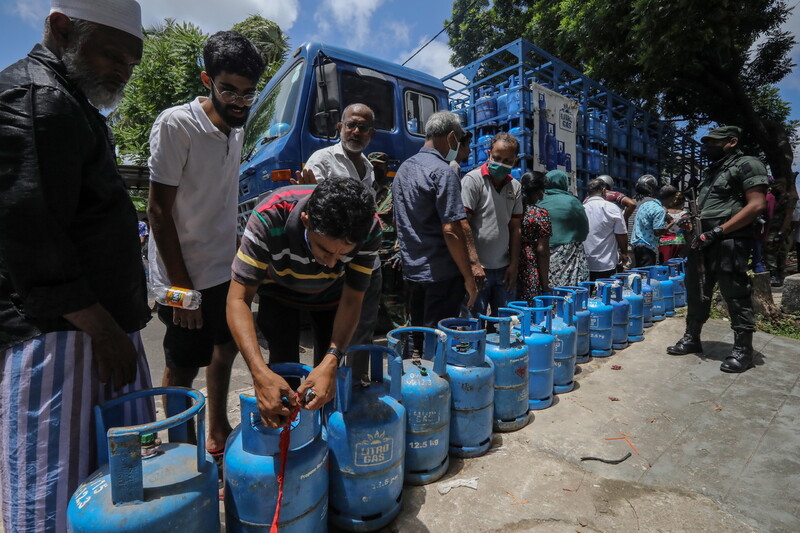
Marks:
<point>703,62</point>
<point>168,75</point>
<point>270,41</point>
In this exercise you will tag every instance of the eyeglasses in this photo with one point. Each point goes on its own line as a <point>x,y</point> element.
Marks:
<point>466,138</point>
<point>360,126</point>
<point>230,97</point>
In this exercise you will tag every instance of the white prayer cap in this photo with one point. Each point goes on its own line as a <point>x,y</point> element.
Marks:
<point>125,15</point>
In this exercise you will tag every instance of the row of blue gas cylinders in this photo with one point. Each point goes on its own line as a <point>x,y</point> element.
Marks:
<point>347,464</point>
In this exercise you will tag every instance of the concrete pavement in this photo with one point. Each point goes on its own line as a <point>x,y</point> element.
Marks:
<point>717,452</point>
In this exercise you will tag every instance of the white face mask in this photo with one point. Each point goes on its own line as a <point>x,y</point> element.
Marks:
<point>451,155</point>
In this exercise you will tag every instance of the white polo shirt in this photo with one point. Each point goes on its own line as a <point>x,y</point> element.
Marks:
<point>188,152</point>
<point>605,221</point>
<point>333,161</point>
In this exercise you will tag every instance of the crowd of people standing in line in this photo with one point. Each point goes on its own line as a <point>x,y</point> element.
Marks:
<point>73,295</point>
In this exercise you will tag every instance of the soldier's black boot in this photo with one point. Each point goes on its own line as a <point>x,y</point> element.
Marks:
<point>690,342</point>
<point>741,357</point>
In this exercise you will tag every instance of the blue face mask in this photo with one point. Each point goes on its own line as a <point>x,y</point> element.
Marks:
<point>498,170</point>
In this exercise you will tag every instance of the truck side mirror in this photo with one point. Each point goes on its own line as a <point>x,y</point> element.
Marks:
<point>326,113</point>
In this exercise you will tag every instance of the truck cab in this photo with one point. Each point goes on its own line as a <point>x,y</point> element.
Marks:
<point>299,109</point>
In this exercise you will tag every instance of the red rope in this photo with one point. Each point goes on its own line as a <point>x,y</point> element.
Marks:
<point>284,449</point>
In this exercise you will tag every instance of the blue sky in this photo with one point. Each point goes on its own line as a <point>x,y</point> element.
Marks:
<point>388,29</point>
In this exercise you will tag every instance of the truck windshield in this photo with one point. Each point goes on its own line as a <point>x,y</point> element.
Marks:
<point>275,113</point>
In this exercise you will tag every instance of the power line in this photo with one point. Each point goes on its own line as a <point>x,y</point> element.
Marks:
<point>438,34</point>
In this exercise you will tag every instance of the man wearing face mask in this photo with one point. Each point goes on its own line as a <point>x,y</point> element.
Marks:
<point>493,200</point>
<point>730,196</point>
<point>429,214</point>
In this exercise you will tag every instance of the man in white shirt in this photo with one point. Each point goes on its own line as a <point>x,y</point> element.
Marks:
<point>606,246</point>
<point>194,176</point>
<point>347,158</point>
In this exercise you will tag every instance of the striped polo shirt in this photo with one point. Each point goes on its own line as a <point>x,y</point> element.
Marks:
<point>275,253</point>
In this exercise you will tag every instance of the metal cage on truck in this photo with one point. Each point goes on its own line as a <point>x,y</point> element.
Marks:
<point>614,136</point>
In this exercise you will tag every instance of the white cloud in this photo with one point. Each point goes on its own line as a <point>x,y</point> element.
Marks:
<point>32,12</point>
<point>352,18</point>
<point>434,59</point>
<point>213,15</point>
<point>400,31</point>
<point>209,15</point>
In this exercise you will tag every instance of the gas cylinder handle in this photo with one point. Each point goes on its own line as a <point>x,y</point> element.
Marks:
<point>470,330</point>
<point>504,321</point>
<point>125,444</point>
<point>249,405</point>
<point>569,300</point>
<point>525,319</point>
<point>376,353</point>
<point>581,296</point>
<point>559,303</point>
<point>431,335</point>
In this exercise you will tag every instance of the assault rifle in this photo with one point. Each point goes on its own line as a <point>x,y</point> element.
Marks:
<point>696,231</point>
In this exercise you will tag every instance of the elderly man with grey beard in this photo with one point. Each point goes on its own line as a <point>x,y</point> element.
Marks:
<point>72,288</point>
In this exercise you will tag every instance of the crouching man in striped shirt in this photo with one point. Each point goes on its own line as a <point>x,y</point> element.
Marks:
<point>312,248</point>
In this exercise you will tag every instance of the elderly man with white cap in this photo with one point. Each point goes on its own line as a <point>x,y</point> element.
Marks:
<point>72,289</point>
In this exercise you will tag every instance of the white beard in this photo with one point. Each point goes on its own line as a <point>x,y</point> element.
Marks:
<point>82,76</point>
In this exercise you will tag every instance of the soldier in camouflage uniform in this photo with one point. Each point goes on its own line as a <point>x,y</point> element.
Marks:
<point>729,198</point>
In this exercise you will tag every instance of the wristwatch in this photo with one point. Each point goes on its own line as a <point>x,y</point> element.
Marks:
<point>338,353</point>
<point>717,232</point>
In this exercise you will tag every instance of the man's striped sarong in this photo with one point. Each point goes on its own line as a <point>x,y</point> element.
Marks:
<point>49,386</point>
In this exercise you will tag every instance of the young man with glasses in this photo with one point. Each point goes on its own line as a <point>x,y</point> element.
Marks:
<point>194,177</point>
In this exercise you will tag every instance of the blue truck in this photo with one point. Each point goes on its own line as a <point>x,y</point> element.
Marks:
<point>297,112</point>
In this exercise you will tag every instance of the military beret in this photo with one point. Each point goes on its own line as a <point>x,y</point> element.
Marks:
<point>723,132</point>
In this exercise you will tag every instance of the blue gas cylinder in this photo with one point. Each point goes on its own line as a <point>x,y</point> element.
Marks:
<point>252,465</point>
<point>486,105</point>
<point>502,101</point>
<point>658,309</point>
<point>519,96</point>
<point>566,339</point>
<point>150,487</point>
<point>677,273</point>
<point>632,292</point>
<point>366,437</point>
<point>661,273</point>
<point>484,144</point>
<point>413,125</point>
<point>541,352</point>
<point>509,354</point>
<point>621,312</point>
<point>600,319</point>
<point>647,296</point>
<point>462,111</point>
<point>525,138</point>
<point>426,397</point>
<point>471,385</point>
<point>580,296</point>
